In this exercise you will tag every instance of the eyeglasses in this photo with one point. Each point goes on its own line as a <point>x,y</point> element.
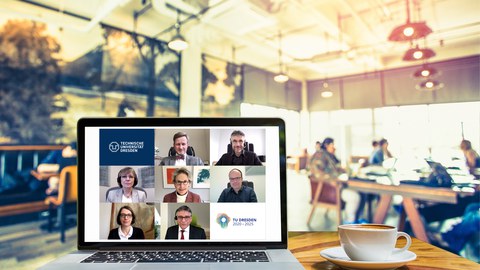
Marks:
<point>184,217</point>
<point>125,215</point>
<point>235,178</point>
<point>182,183</point>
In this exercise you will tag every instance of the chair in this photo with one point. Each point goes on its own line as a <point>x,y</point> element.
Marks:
<point>326,194</point>
<point>190,151</point>
<point>67,194</point>
<point>116,188</point>
<point>244,183</point>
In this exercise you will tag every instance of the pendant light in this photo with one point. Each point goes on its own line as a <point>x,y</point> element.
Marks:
<point>178,42</point>
<point>409,30</point>
<point>281,77</point>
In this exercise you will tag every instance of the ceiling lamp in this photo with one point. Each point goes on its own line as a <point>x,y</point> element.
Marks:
<point>417,53</point>
<point>178,42</point>
<point>326,93</point>
<point>410,30</point>
<point>429,85</point>
<point>281,77</point>
<point>425,72</point>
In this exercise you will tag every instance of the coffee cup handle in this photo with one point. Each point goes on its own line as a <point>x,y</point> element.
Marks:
<point>407,245</point>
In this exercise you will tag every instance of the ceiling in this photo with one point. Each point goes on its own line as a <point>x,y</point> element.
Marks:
<point>319,38</point>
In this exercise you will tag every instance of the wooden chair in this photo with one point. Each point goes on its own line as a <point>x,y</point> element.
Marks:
<point>67,194</point>
<point>326,194</point>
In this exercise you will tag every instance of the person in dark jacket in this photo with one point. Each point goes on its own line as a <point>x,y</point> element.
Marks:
<point>238,156</point>
<point>184,230</point>
<point>125,219</point>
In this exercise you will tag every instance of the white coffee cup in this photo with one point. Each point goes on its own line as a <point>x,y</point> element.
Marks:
<point>370,242</point>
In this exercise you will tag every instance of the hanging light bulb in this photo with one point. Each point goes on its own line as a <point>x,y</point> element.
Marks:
<point>326,93</point>
<point>425,72</point>
<point>178,42</point>
<point>409,30</point>
<point>281,77</point>
<point>429,85</point>
<point>417,53</point>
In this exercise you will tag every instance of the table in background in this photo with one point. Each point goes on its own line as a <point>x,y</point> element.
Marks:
<point>306,247</point>
<point>410,194</point>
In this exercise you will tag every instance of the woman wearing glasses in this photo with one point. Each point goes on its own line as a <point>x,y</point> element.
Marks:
<point>125,231</point>
<point>182,181</point>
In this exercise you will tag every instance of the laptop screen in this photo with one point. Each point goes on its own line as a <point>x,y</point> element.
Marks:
<point>181,182</point>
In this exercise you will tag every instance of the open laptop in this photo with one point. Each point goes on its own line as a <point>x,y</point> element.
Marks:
<point>106,145</point>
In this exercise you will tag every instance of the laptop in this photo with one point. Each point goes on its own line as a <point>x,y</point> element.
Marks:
<point>234,235</point>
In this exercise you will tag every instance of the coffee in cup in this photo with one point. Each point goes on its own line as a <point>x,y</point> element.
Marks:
<point>370,242</point>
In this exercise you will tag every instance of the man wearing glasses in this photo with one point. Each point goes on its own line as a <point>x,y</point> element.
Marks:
<point>183,230</point>
<point>237,192</point>
<point>182,181</point>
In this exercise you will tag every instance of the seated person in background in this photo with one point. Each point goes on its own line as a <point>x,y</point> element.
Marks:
<point>127,179</point>
<point>182,181</point>
<point>54,162</point>
<point>125,219</point>
<point>457,237</point>
<point>379,155</point>
<point>239,156</point>
<point>237,192</point>
<point>472,158</point>
<point>325,165</point>
<point>183,230</point>
<point>180,143</point>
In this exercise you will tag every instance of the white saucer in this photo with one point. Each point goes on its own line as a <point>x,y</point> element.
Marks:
<point>337,256</point>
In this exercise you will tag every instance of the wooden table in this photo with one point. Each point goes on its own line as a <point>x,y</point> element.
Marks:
<point>43,176</point>
<point>306,247</point>
<point>410,194</point>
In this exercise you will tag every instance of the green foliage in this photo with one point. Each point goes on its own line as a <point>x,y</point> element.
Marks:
<point>29,81</point>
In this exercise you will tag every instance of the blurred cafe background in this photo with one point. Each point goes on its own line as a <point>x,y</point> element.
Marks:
<point>401,72</point>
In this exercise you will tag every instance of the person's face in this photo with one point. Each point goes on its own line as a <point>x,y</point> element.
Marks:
<point>331,148</point>
<point>385,145</point>
<point>125,217</point>
<point>235,180</point>
<point>317,147</point>
<point>184,218</point>
<point>463,146</point>
<point>181,145</point>
<point>237,143</point>
<point>127,180</point>
<point>182,184</point>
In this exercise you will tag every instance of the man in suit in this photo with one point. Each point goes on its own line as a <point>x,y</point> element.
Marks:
<point>183,230</point>
<point>238,156</point>
<point>180,144</point>
<point>182,181</point>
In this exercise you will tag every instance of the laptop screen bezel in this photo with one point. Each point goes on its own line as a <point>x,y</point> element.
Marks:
<point>183,122</point>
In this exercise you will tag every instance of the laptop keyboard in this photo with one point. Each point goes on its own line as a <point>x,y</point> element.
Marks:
<point>176,256</point>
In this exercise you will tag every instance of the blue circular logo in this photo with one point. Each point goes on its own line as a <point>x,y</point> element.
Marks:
<point>114,147</point>
<point>223,220</point>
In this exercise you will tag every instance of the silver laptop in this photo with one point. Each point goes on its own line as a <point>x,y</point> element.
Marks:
<point>227,227</point>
